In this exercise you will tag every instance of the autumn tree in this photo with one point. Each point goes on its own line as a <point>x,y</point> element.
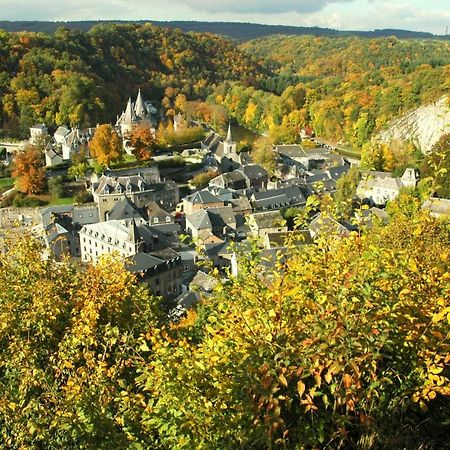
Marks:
<point>106,146</point>
<point>68,338</point>
<point>436,166</point>
<point>29,170</point>
<point>264,155</point>
<point>202,180</point>
<point>79,166</point>
<point>142,141</point>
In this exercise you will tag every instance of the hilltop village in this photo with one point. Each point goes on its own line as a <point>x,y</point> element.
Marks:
<point>174,234</point>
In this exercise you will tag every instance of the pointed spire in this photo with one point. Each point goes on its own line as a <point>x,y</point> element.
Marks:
<point>229,139</point>
<point>133,233</point>
<point>140,108</point>
<point>129,116</point>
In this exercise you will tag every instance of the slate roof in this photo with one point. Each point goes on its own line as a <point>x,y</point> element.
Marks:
<point>83,215</point>
<point>438,206</point>
<point>338,172</point>
<point>125,209</point>
<point>204,282</point>
<point>297,237</point>
<point>154,210</point>
<point>217,217</point>
<point>254,172</point>
<point>202,197</point>
<point>143,261</point>
<point>322,176</point>
<point>291,151</point>
<point>79,215</point>
<point>277,198</point>
<point>62,131</point>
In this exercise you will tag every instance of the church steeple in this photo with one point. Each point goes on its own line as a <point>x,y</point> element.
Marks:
<point>229,139</point>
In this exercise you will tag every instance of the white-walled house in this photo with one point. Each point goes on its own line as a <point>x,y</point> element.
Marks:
<point>381,189</point>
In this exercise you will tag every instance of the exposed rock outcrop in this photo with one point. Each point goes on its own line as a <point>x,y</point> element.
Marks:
<point>422,126</point>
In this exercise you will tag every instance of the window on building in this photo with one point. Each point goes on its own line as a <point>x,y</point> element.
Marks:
<point>157,281</point>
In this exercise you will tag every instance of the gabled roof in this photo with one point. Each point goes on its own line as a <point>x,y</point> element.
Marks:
<point>202,197</point>
<point>317,177</point>
<point>266,219</point>
<point>154,210</point>
<point>297,237</point>
<point>217,217</point>
<point>143,261</point>
<point>291,151</point>
<point>438,206</point>
<point>199,219</point>
<point>125,209</point>
<point>62,131</point>
<point>254,172</point>
<point>338,172</point>
<point>287,195</point>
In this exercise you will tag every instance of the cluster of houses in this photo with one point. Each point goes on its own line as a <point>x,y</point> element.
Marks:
<point>141,217</point>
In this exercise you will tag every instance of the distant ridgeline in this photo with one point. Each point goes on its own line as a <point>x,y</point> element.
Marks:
<point>235,30</point>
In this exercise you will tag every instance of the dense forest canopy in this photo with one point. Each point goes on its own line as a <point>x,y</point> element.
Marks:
<point>78,78</point>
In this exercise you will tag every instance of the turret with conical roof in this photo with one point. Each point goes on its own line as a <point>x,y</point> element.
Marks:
<point>140,109</point>
<point>129,116</point>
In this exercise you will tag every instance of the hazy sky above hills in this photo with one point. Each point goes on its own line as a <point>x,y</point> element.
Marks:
<point>418,15</point>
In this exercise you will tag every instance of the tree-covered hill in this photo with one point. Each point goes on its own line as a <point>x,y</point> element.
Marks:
<point>73,77</point>
<point>344,88</point>
<point>235,30</point>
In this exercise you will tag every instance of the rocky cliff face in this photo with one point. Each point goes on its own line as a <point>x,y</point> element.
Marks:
<point>422,126</point>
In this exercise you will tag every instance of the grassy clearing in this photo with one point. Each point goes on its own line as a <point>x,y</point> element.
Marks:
<point>6,183</point>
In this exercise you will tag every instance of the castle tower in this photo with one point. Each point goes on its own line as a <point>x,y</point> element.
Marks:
<point>140,109</point>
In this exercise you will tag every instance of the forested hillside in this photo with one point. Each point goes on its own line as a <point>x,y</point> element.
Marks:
<point>77,78</point>
<point>344,88</point>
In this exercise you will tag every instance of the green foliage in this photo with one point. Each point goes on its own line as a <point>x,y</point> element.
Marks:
<point>436,166</point>
<point>83,196</point>
<point>21,200</point>
<point>340,344</point>
<point>56,186</point>
<point>264,155</point>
